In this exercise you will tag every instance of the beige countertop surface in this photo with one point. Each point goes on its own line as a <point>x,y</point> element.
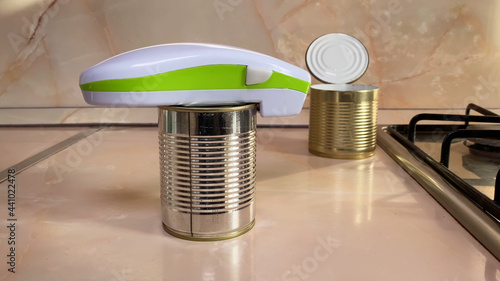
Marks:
<point>92,212</point>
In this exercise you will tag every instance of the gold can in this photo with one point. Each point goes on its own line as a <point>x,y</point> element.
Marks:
<point>343,120</point>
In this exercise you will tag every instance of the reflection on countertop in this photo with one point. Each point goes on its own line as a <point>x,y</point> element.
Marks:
<point>92,212</point>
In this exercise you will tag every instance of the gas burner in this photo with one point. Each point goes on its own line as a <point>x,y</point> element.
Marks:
<point>487,148</point>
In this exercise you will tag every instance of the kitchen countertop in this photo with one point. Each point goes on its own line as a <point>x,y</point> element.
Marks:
<point>92,212</point>
<point>18,143</point>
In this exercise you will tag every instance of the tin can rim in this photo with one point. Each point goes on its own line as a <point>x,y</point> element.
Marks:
<point>209,108</point>
<point>344,87</point>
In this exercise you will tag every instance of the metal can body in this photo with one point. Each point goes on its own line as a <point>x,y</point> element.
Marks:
<point>343,121</point>
<point>207,167</point>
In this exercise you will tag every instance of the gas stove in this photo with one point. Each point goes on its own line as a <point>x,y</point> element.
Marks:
<point>456,159</point>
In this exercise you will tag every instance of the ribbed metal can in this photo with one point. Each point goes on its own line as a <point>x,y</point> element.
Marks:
<point>208,170</point>
<point>343,120</point>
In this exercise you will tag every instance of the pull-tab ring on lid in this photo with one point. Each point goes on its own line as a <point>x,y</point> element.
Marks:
<point>337,58</point>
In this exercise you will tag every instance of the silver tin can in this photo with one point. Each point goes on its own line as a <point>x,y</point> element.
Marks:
<point>207,167</point>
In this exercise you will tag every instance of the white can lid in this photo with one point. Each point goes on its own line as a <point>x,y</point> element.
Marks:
<point>337,58</point>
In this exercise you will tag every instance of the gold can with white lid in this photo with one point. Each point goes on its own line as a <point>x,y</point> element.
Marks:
<point>343,116</point>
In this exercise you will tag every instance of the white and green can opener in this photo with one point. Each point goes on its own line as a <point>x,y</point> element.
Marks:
<point>194,74</point>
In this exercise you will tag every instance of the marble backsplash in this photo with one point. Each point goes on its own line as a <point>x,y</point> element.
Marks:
<point>423,54</point>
